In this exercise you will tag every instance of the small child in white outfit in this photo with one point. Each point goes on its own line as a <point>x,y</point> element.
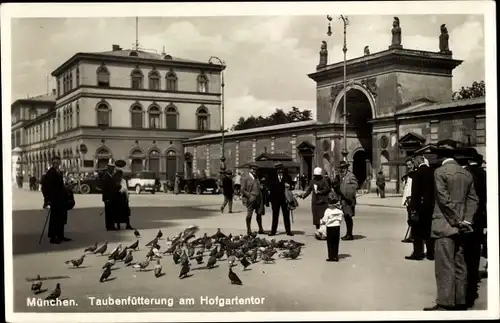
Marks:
<point>332,219</point>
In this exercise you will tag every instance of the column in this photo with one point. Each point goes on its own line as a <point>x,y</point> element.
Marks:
<point>195,159</point>
<point>207,159</point>
<point>237,157</point>
<point>254,149</point>
<point>272,144</point>
<point>293,142</point>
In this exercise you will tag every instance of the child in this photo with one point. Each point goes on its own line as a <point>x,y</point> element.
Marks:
<point>332,219</point>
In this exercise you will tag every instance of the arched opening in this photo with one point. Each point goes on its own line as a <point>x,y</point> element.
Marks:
<point>359,112</point>
<point>102,155</point>
<point>384,158</point>
<point>188,158</point>
<point>136,163</point>
<point>171,159</point>
<point>154,162</point>
<point>360,164</point>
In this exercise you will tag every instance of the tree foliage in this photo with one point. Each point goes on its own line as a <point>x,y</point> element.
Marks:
<point>476,90</point>
<point>277,117</point>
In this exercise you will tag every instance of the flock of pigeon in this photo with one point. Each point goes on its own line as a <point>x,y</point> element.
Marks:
<point>185,247</point>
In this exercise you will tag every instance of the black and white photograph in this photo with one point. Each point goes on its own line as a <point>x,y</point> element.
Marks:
<point>250,161</point>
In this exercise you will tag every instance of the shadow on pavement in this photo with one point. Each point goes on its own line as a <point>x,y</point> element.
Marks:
<point>86,227</point>
<point>358,237</point>
<point>344,255</point>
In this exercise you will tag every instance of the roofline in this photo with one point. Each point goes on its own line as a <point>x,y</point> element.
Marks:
<point>20,101</point>
<point>46,115</point>
<point>127,59</point>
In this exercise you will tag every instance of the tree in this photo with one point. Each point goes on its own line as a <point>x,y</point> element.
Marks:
<point>277,117</point>
<point>476,90</point>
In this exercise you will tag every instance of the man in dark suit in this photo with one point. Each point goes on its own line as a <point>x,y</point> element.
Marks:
<point>56,199</point>
<point>110,189</point>
<point>347,191</point>
<point>227,191</point>
<point>421,206</point>
<point>278,199</point>
<point>251,197</point>
<point>456,204</point>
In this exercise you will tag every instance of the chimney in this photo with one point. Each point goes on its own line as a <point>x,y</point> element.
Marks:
<point>116,48</point>
<point>53,91</point>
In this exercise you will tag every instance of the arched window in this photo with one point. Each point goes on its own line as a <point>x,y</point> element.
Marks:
<point>77,114</point>
<point>65,120</point>
<point>154,117</point>
<point>171,80</point>
<point>202,117</point>
<point>102,76</point>
<point>136,116</point>
<point>102,155</point>
<point>171,116</point>
<point>70,81</point>
<point>137,78</point>
<point>171,163</point>
<point>77,77</point>
<point>103,115</point>
<point>154,80</point>
<point>202,83</point>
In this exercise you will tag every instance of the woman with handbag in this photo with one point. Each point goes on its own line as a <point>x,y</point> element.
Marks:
<point>320,189</point>
<point>122,202</point>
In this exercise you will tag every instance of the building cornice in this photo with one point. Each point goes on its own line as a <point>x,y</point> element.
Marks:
<point>103,58</point>
<point>41,118</point>
<point>431,114</point>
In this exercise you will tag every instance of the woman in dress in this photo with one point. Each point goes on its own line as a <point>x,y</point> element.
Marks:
<point>320,189</point>
<point>122,202</point>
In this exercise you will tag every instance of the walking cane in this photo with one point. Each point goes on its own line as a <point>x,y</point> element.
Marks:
<point>406,235</point>
<point>291,214</point>
<point>43,230</point>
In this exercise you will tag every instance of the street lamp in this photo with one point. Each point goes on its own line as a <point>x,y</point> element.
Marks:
<point>345,21</point>
<point>222,158</point>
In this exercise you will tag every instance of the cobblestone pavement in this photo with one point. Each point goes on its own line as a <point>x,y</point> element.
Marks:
<point>372,274</point>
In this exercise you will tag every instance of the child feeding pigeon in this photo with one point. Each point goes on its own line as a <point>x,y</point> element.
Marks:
<point>331,221</point>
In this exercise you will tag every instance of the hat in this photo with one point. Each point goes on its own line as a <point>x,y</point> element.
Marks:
<point>120,163</point>
<point>343,164</point>
<point>253,166</point>
<point>111,163</point>
<point>333,199</point>
<point>318,171</point>
<point>278,165</point>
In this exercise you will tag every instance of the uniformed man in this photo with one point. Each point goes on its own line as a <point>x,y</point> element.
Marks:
<point>110,189</point>
<point>56,199</point>
<point>347,190</point>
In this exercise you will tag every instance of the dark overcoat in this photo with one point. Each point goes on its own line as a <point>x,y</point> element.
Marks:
<point>319,201</point>
<point>55,194</point>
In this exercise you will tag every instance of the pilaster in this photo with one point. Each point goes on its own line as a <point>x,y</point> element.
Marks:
<point>254,149</point>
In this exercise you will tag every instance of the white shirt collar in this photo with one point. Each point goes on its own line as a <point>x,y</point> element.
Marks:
<point>447,160</point>
<point>422,164</point>
<point>251,175</point>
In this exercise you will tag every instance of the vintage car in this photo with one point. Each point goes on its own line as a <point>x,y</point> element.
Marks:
<point>141,182</point>
<point>200,185</point>
<point>87,185</point>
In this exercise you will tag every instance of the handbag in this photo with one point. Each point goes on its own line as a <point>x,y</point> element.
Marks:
<point>413,218</point>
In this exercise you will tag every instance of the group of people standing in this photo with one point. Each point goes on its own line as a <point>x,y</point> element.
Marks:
<point>447,214</point>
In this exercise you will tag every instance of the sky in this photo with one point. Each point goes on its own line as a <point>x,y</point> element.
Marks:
<point>267,57</point>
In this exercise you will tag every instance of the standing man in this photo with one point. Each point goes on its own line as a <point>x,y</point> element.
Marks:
<point>56,199</point>
<point>456,204</point>
<point>237,183</point>
<point>110,189</point>
<point>381,184</point>
<point>421,207</point>
<point>251,197</point>
<point>227,191</point>
<point>347,189</point>
<point>407,180</point>
<point>278,199</point>
<point>177,183</point>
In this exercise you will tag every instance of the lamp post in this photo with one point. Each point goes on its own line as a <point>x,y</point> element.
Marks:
<point>345,21</point>
<point>222,158</point>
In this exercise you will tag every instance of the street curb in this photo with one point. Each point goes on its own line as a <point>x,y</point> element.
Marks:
<point>378,205</point>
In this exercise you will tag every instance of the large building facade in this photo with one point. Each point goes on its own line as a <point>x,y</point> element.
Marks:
<point>121,104</point>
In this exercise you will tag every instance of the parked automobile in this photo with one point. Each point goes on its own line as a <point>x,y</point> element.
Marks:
<point>201,185</point>
<point>141,182</point>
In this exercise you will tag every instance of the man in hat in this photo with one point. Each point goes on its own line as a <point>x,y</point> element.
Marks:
<point>56,199</point>
<point>278,183</point>
<point>380,182</point>
<point>456,204</point>
<point>227,191</point>
<point>251,197</point>
<point>110,189</point>
<point>347,190</point>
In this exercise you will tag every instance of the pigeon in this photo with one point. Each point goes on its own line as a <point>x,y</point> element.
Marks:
<point>137,234</point>
<point>184,257</point>
<point>109,264</point>
<point>122,254</point>
<point>158,269</point>
<point>170,249</point>
<point>266,257</point>
<point>234,278</point>
<point>152,242</point>
<point>176,257</point>
<point>156,252</point>
<point>75,262</point>
<point>211,262</point>
<point>231,260</point>
<point>159,234</point>
<point>218,234</point>
<point>190,251</point>
<point>150,253</point>
<point>105,275</point>
<point>199,258</point>
<point>115,252</point>
<point>285,254</point>
<point>184,270</point>
<point>245,263</point>
<point>189,232</point>
<point>134,245</point>
<point>128,259</point>
<point>220,253</point>
<point>36,287</point>
<point>102,249</point>
<point>91,248</point>
<point>55,294</point>
<point>142,265</point>
<point>213,252</point>
<point>294,253</point>
<point>208,244</point>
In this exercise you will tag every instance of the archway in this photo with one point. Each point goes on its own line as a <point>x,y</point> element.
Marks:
<point>306,152</point>
<point>171,159</point>
<point>136,160</point>
<point>154,162</point>
<point>359,166</point>
<point>384,158</point>
<point>102,155</point>
<point>360,110</point>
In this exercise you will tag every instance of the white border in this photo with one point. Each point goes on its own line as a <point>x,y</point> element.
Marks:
<point>9,11</point>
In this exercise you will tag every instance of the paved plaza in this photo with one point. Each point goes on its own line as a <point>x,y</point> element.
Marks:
<point>371,275</point>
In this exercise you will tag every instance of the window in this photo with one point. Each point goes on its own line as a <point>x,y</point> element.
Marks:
<point>77,114</point>
<point>202,83</point>
<point>202,116</point>
<point>136,116</point>
<point>102,76</point>
<point>33,113</point>
<point>49,130</point>
<point>154,117</point>
<point>58,87</point>
<point>58,121</point>
<point>70,80</point>
<point>70,117</point>
<point>154,80</point>
<point>136,79</point>
<point>64,127</point>
<point>77,77</point>
<point>171,80</point>
<point>171,114</point>
<point>103,115</point>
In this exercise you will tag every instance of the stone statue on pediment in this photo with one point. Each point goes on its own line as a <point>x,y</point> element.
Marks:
<point>367,50</point>
<point>323,54</point>
<point>444,41</point>
<point>396,34</point>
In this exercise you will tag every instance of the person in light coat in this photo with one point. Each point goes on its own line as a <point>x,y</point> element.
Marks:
<point>122,202</point>
<point>331,220</point>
